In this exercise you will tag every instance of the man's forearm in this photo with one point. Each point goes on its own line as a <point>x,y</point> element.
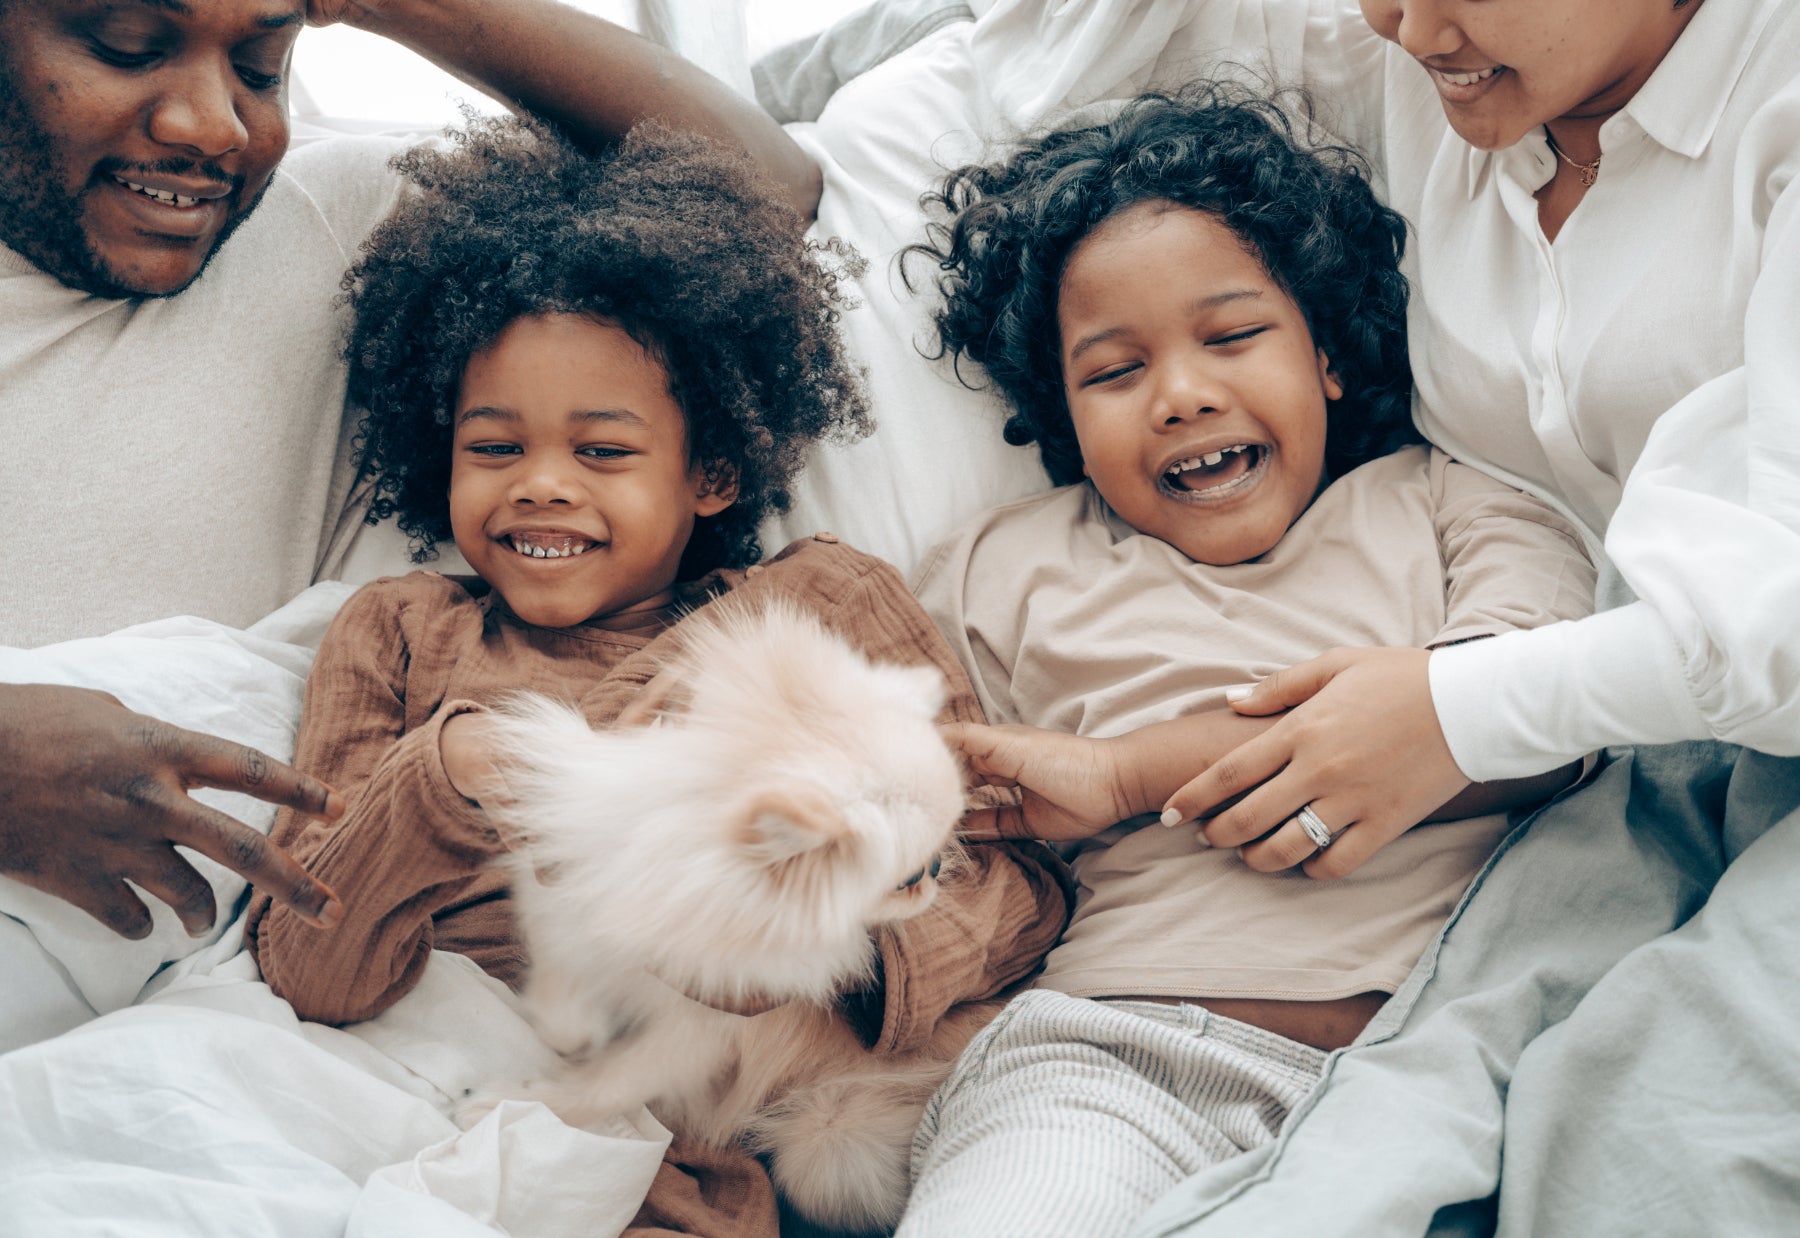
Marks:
<point>591,78</point>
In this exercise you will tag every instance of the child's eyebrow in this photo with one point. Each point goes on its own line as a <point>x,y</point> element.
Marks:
<point>1196,306</point>
<point>487,412</point>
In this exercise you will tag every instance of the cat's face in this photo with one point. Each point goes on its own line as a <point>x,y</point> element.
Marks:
<point>790,798</point>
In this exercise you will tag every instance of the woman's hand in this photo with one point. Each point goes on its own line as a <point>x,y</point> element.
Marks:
<point>1072,786</point>
<point>1361,745</point>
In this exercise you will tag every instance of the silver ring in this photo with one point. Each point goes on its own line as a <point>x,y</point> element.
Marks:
<point>1317,830</point>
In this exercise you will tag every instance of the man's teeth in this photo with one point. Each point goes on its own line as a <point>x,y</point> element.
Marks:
<point>1469,79</point>
<point>161,195</point>
<point>567,549</point>
<point>1208,460</point>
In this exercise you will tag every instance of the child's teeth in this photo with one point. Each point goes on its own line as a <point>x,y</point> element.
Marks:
<point>1211,458</point>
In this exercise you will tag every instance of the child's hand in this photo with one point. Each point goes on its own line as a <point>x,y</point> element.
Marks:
<point>468,764</point>
<point>1361,746</point>
<point>1072,786</point>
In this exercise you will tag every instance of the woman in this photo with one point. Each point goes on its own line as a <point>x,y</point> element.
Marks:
<point>1607,313</point>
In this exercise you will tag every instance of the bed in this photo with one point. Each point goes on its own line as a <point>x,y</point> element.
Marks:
<point>160,1084</point>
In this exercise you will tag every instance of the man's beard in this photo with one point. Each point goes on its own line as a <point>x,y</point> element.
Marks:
<point>43,223</point>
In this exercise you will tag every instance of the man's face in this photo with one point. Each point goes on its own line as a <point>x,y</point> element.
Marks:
<point>136,134</point>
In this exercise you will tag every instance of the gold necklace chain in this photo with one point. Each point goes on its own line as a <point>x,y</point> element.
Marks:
<point>1588,172</point>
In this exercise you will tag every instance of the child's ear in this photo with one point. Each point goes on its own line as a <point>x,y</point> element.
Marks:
<point>781,822</point>
<point>718,489</point>
<point>1334,387</point>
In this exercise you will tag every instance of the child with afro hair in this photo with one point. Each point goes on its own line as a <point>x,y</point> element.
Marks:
<point>1198,316</point>
<point>596,375</point>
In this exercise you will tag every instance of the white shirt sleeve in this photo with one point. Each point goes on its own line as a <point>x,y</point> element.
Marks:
<point>1707,534</point>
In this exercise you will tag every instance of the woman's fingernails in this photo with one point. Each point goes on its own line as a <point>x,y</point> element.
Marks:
<point>1171,817</point>
<point>1241,692</point>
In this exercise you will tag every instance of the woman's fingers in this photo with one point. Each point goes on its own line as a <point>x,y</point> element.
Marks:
<point>1291,685</point>
<point>1245,768</point>
<point>1291,843</point>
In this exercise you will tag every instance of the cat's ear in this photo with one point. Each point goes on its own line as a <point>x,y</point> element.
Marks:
<point>778,823</point>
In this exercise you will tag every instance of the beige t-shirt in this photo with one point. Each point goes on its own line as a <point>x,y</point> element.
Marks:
<point>188,454</point>
<point>1067,618</point>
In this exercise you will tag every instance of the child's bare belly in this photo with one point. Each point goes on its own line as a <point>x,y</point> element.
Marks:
<point>1323,1025</point>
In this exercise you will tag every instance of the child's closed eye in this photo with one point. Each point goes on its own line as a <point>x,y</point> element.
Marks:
<point>1110,375</point>
<point>1237,337</point>
<point>493,449</point>
<point>596,452</point>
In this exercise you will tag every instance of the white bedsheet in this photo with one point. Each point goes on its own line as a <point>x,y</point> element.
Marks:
<point>198,1104</point>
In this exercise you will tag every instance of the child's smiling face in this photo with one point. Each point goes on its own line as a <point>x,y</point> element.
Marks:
<point>1196,392</point>
<point>571,491</point>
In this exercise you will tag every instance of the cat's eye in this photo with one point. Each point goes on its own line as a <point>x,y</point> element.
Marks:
<point>932,869</point>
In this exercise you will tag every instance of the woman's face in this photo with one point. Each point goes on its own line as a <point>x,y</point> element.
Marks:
<point>1504,67</point>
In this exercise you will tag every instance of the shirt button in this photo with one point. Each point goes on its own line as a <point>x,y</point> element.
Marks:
<point>830,539</point>
<point>755,569</point>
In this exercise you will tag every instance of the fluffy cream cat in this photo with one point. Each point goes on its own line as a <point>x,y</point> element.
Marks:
<point>738,850</point>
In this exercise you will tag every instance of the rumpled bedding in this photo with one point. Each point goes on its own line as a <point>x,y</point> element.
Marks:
<point>200,1104</point>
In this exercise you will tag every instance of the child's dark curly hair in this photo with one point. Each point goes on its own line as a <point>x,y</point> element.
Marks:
<point>1305,211</point>
<point>667,236</point>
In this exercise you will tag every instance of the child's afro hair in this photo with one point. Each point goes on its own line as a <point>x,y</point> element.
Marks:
<point>1305,211</point>
<point>682,245</point>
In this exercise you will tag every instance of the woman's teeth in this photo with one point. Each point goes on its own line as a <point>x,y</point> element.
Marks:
<point>563,548</point>
<point>1469,79</point>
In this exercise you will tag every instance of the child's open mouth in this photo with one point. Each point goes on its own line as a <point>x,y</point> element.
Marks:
<point>548,546</point>
<point>1216,474</point>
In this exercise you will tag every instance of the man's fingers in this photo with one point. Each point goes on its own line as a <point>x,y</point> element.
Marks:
<point>174,881</point>
<point>1288,688</point>
<point>208,761</point>
<point>108,900</point>
<point>257,860</point>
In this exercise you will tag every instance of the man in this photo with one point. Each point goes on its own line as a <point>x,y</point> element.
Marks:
<point>170,380</point>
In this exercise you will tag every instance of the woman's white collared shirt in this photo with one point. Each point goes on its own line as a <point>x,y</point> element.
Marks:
<point>1642,372</point>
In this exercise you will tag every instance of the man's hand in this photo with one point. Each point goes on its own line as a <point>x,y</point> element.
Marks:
<point>331,12</point>
<point>95,794</point>
<point>1072,786</point>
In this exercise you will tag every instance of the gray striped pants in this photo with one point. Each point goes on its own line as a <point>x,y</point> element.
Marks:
<point>1070,1117</point>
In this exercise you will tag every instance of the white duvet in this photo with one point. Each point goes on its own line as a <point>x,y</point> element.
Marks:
<point>199,1104</point>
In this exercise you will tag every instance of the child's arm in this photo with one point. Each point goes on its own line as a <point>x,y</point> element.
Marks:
<point>1074,787</point>
<point>1360,740</point>
<point>592,79</point>
<point>408,847</point>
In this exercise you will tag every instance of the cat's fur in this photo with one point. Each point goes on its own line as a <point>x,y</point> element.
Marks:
<point>741,847</point>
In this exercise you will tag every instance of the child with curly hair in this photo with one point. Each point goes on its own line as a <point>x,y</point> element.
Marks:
<point>1199,318</point>
<point>596,375</point>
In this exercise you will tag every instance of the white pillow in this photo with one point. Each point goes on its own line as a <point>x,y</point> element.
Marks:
<point>886,137</point>
<point>243,685</point>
